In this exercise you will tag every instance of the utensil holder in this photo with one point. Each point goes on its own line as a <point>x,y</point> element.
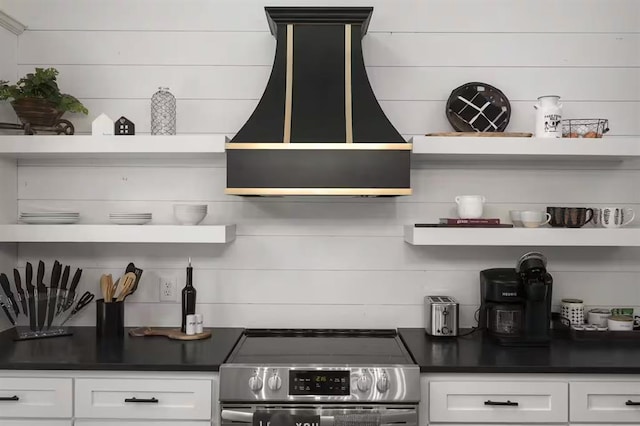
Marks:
<point>109,319</point>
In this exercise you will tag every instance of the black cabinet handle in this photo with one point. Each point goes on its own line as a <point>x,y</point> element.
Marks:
<point>142,400</point>
<point>630,402</point>
<point>503,403</point>
<point>10,398</point>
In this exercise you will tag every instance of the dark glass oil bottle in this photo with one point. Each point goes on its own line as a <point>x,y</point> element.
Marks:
<point>188,298</point>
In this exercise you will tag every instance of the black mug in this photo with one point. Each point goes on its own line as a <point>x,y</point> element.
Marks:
<point>109,319</point>
<point>557,216</point>
<point>577,217</point>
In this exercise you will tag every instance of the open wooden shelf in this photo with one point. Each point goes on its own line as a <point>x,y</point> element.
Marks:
<point>489,148</point>
<point>542,237</point>
<point>170,234</point>
<point>87,146</point>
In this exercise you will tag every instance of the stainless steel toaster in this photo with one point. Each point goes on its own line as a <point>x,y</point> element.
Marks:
<point>441,316</point>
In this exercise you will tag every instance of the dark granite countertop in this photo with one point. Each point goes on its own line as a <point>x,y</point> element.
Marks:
<point>82,351</point>
<point>477,354</point>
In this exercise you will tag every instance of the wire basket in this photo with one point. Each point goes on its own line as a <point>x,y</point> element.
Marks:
<point>585,128</point>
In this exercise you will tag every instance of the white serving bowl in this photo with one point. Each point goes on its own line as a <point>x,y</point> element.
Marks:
<point>187,214</point>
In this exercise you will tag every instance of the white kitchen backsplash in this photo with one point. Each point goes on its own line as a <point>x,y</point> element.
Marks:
<point>332,262</point>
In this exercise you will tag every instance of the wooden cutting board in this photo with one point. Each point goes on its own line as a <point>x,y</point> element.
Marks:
<point>484,134</point>
<point>171,333</point>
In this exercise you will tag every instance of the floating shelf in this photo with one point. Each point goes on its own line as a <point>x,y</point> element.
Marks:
<point>87,146</point>
<point>491,148</point>
<point>201,234</point>
<point>544,237</point>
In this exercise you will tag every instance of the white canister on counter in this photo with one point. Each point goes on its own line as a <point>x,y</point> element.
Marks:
<point>598,317</point>
<point>573,310</point>
<point>548,117</point>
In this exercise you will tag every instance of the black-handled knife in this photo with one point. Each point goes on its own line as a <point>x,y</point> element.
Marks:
<point>21,295</point>
<point>7,313</point>
<point>53,291</point>
<point>31,297</point>
<point>62,298</point>
<point>42,297</point>
<point>72,290</point>
<point>6,287</point>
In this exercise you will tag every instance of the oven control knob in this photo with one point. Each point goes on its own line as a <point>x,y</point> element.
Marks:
<point>255,383</point>
<point>274,382</point>
<point>383,384</point>
<point>364,383</point>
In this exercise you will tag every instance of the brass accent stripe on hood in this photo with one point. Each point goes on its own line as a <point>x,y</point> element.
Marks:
<point>348,105</point>
<point>288,99</point>
<point>321,146</point>
<point>318,191</point>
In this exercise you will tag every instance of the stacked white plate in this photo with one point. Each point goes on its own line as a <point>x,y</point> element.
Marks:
<point>50,218</point>
<point>130,218</point>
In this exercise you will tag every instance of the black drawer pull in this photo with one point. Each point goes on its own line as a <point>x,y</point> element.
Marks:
<point>142,400</point>
<point>630,402</point>
<point>10,398</point>
<point>503,403</point>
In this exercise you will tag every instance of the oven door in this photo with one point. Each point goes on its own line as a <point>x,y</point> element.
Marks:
<point>329,415</point>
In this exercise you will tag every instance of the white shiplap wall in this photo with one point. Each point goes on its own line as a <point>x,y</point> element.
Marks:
<point>8,172</point>
<point>323,262</point>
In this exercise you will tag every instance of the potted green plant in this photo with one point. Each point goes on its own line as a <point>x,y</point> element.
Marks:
<point>37,100</point>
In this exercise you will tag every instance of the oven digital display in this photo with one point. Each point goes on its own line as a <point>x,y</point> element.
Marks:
<point>319,382</point>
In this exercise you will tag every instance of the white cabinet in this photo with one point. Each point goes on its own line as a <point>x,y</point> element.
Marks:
<point>498,401</point>
<point>35,423</point>
<point>143,399</point>
<point>605,402</point>
<point>35,397</point>
<point>132,423</point>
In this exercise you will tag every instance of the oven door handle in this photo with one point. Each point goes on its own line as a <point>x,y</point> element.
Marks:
<point>385,418</point>
<point>243,416</point>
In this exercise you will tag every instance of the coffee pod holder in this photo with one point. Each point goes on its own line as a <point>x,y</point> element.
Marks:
<point>587,332</point>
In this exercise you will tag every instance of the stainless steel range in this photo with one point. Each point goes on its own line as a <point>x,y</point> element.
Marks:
<point>320,377</point>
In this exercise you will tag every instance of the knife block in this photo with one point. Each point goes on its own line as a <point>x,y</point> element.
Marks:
<point>109,319</point>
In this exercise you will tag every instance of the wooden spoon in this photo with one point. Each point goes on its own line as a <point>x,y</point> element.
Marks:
<point>126,286</point>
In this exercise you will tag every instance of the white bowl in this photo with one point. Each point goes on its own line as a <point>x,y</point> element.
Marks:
<point>188,215</point>
<point>190,207</point>
<point>515,218</point>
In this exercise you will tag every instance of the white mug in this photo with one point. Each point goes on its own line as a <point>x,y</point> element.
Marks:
<point>470,206</point>
<point>614,217</point>
<point>534,218</point>
<point>595,221</point>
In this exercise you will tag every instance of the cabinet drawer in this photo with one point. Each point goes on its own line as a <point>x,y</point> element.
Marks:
<point>143,399</point>
<point>605,402</point>
<point>499,402</point>
<point>35,397</point>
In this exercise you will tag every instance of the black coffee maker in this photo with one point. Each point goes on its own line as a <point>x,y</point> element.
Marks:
<point>515,304</point>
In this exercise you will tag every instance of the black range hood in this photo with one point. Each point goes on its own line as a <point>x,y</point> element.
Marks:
<point>318,129</point>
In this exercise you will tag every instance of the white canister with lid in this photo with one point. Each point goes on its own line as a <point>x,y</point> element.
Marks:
<point>573,310</point>
<point>620,323</point>
<point>598,317</point>
<point>548,117</point>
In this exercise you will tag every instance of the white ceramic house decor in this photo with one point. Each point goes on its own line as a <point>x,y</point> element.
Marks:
<point>102,126</point>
